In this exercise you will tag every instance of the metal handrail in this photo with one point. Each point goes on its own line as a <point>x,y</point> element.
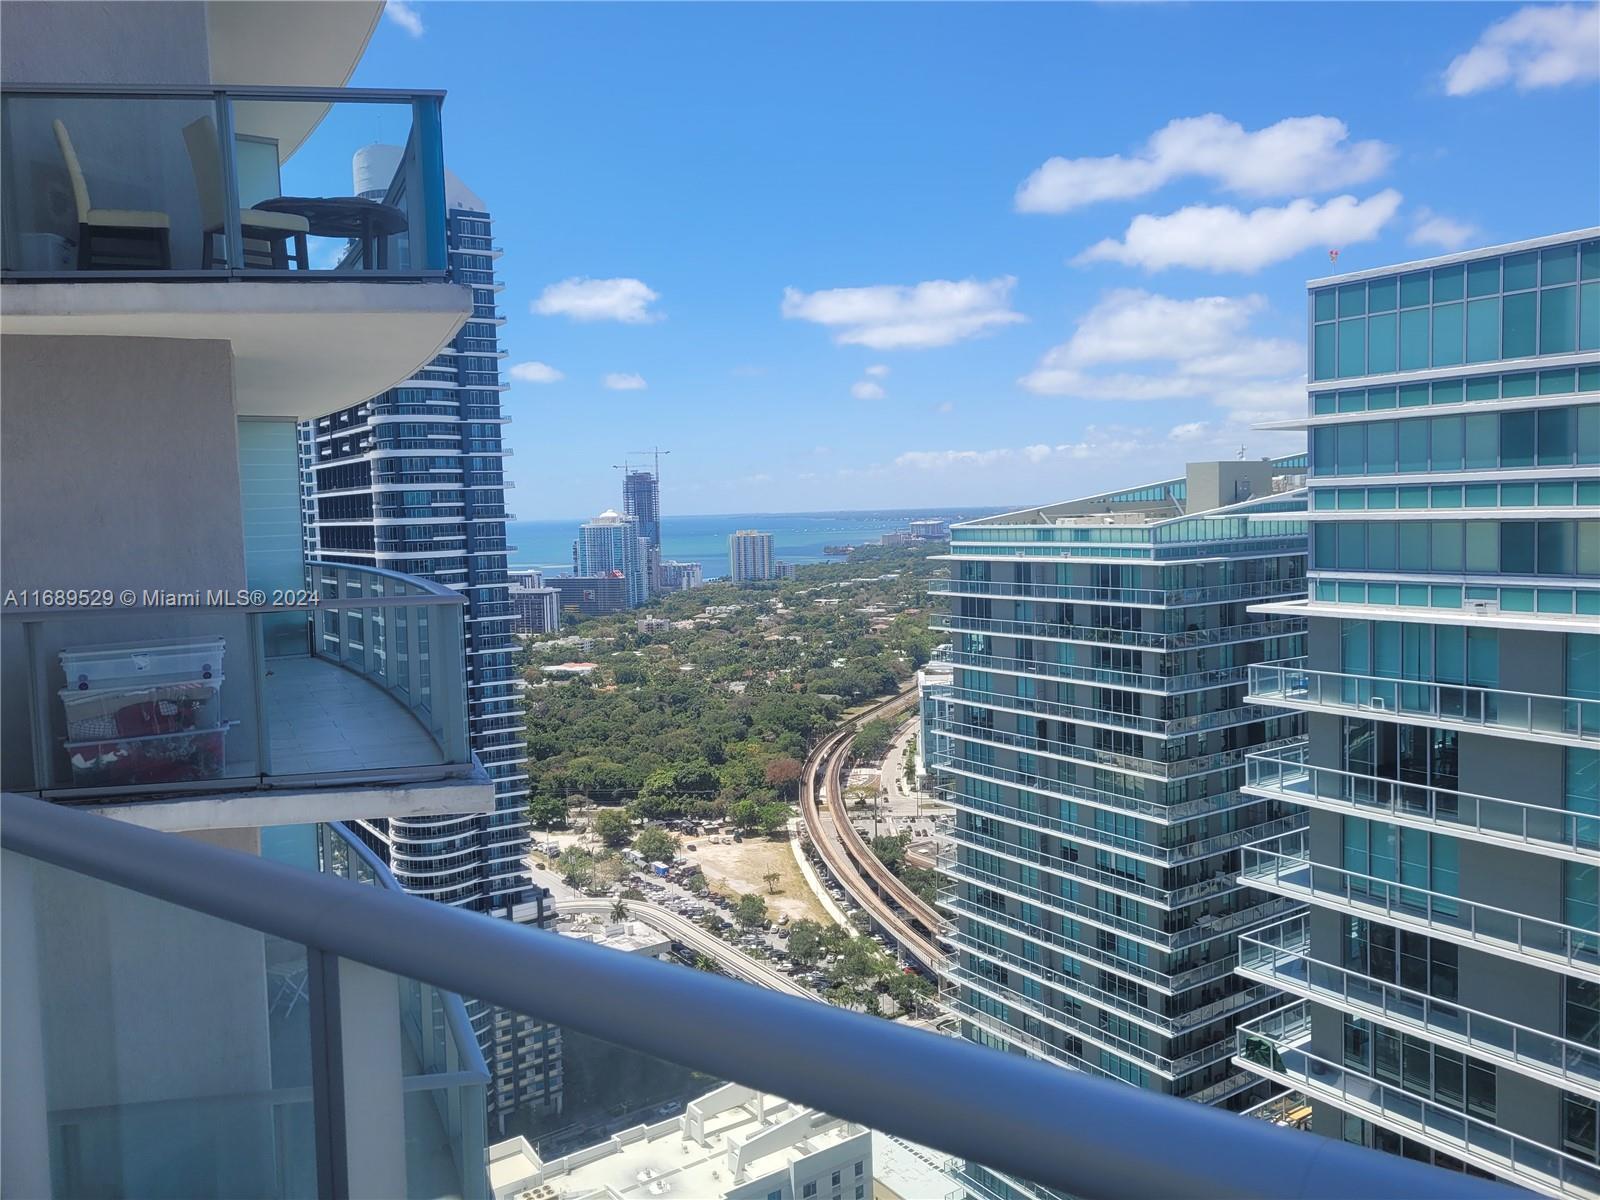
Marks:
<point>1084,1136</point>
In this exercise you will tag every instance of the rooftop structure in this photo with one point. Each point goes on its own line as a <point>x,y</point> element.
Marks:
<point>735,1143</point>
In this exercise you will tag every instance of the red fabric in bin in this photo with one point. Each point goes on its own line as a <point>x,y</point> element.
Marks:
<point>137,720</point>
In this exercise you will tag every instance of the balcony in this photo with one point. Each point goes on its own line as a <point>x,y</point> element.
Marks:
<point>1281,865</point>
<point>1129,680</point>
<point>189,901</point>
<point>183,212</point>
<point>1280,956</point>
<point>1099,635</point>
<point>1275,1046</point>
<point>1493,711</point>
<point>1285,775</point>
<point>1131,597</point>
<point>195,712</point>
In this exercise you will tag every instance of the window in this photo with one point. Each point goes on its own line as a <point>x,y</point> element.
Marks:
<point>860,1170</point>
<point>861,1191</point>
<point>834,1182</point>
<point>809,1190</point>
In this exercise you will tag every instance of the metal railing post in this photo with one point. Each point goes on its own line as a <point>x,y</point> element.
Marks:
<point>228,153</point>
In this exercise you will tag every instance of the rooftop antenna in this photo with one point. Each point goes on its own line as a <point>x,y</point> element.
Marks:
<point>1333,257</point>
<point>1242,452</point>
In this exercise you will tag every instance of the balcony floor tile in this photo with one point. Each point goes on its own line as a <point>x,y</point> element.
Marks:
<point>321,717</point>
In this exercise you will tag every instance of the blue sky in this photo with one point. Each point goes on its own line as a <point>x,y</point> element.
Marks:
<point>826,240</point>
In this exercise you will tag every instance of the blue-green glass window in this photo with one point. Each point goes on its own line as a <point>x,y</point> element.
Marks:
<point>1446,444</point>
<point>1323,359</point>
<point>1518,325</point>
<point>1588,547</point>
<point>1352,545</point>
<point>1482,495</point>
<point>1517,547</point>
<point>1355,639</point>
<point>1447,554</point>
<point>1353,401</point>
<point>1590,254</point>
<point>1450,654</point>
<point>1516,439</point>
<point>1557,547</point>
<point>1414,395</point>
<point>1559,265</point>
<point>1484,387</point>
<point>1448,331</point>
<point>1378,398</point>
<point>1447,391</point>
<point>1588,435</point>
<point>1483,329</point>
<point>1414,289</point>
<point>1448,283</point>
<point>1522,271</point>
<point>1483,440</point>
<point>1380,593</point>
<point>1324,402</point>
<point>1381,546</point>
<point>1483,277</point>
<point>1414,546</point>
<point>1516,495</point>
<point>1414,595</point>
<point>1445,597</point>
<point>1445,495</point>
<point>1413,497</point>
<point>1413,436</point>
<point>1352,498</point>
<point>1556,429</point>
<point>1381,295</point>
<point>1323,546</point>
<point>1515,387</point>
<point>1352,300</point>
<point>1381,448</point>
<point>1589,316</point>
<point>1323,498</point>
<point>1352,347</point>
<point>1558,320</point>
<point>1589,492</point>
<point>1483,657</point>
<point>1559,382</point>
<point>1323,305</point>
<point>1380,497</point>
<point>1351,453</point>
<point>1381,353</point>
<point>1555,495</point>
<point>1483,547</point>
<point>1413,339</point>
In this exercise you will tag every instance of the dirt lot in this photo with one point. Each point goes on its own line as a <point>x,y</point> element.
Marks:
<point>739,866</point>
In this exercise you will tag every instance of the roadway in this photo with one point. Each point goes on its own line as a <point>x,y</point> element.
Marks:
<point>686,933</point>
<point>895,908</point>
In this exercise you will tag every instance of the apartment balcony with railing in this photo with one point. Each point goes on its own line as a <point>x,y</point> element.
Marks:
<point>205,711</point>
<point>1226,593</point>
<point>1563,719</point>
<point>1277,1046</point>
<point>1280,956</point>
<point>1283,865</point>
<point>195,211</point>
<point>1284,774</point>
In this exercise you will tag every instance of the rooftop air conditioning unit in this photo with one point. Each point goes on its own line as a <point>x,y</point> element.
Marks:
<point>1482,608</point>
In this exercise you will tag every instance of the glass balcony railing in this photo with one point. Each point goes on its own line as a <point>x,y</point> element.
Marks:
<point>1282,865</point>
<point>1131,680</point>
<point>257,1017</point>
<point>1137,597</point>
<point>219,182</point>
<point>1281,956</point>
<point>180,694</point>
<point>1276,1046</point>
<point>1285,775</point>
<point>1108,636</point>
<point>1489,710</point>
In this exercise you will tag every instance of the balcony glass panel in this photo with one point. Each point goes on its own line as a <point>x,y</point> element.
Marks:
<point>223,182</point>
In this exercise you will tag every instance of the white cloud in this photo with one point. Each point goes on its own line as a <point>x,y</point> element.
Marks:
<point>867,390</point>
<point>1220,238</point>
<point>535,372</point>
<point>1189,431</point>
<point>937,312</point>
<point>878,370</point>
<point>624,381</point>
<point>625,300</point>
<point>1298,154</point>
<point>1542,45</point>
<point>1099,444</point>
<point>404,14</point>
<point>1436,229</point>
<point>1136,346</point>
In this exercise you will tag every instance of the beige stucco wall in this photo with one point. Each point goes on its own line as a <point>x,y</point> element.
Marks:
<point>154,42</point>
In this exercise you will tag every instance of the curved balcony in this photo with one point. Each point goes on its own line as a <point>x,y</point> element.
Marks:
<point>351,705</point>
<point>1132,597</point>
<point>1281,865</point>
<point>1275,1046</point>
<point>1280,956</point>
<point>1285,775</point>
<point>1526,715</point>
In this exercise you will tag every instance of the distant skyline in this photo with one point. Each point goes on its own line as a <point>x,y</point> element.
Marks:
<point>842,257</point>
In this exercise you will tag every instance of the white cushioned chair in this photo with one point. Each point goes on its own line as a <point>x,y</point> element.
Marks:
<point>113,238</point>
<point>266,234</point>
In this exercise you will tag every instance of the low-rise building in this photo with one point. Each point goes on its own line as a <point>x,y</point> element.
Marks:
<point>592,595</point>
<point>732,1144</point>
<point>653,625</point>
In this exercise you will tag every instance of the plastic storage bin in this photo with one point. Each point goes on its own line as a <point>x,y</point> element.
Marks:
<point>158,758</point>
<point>88,667</point>
<point>136,712</point>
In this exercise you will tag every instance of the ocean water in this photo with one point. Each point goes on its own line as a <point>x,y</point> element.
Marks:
<point>796,537</point>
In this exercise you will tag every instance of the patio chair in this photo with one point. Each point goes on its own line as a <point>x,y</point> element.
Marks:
<point>143,237</point>
<point>269,231</point>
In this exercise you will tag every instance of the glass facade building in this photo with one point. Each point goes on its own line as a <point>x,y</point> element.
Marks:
<point>1446,976</point>
<point>413,481</point>
<point>1091,740</point>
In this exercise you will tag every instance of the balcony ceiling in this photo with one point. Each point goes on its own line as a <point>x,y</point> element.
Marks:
<point>300,349</point>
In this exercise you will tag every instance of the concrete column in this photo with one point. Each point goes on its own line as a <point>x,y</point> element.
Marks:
<point>374,1117</point>
<point>24,1129</point>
